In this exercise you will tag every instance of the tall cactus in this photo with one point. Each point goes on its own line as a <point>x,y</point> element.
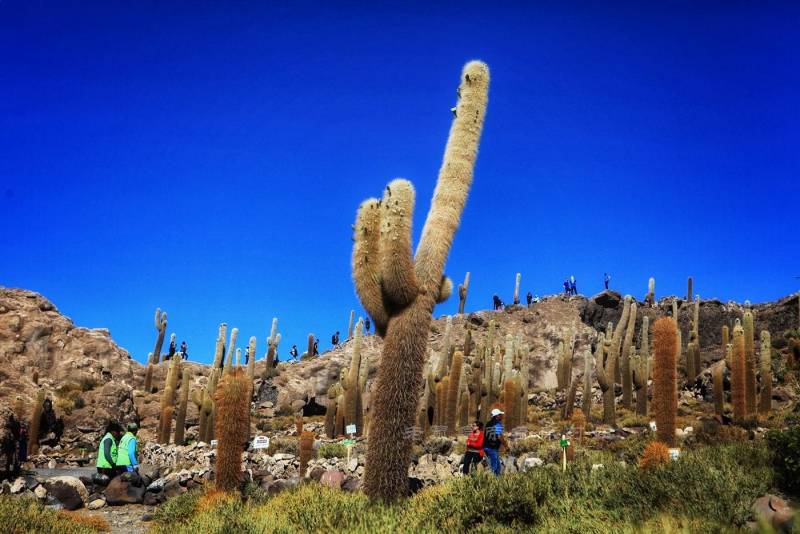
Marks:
<point>352,386</point>
<point>765,399</point>
<point>400,291</point>
<point>738,374</point>
<point>665,392</point>
<point>155,357</point>
<point>167,399</point>
<point>640,371</point>
<point>719,392</point>
<point>650,298</point>
<point>219,349</point>
<point>749,362</point>
<point>350,324</point>
<point>36,420</point>
<point>273,341</point>
<point>454,392</point>
<point>511,397</point>
<point>463,289</point>
<point>516,288</point>
<point>183,401</point>
<point>604,369</point>
<point>725,336</point>
<point>564,365</point>
<point>231,350</point>
<point>689,289</point>
<point>627,383</point>
<point>232,428</point>
<point>588,366</point>
<point>251,361</point>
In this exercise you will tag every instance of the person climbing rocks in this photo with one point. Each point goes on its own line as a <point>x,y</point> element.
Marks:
<point>606,279</point>
<point>293,352</point>
<point>126,450</point>
<point>493,439</point>
<point>474,453</point>
<point>529,298</point>
<point>184,351</point>
<point>498,304</point>
<point>335,340</point>
<point>107,452</point>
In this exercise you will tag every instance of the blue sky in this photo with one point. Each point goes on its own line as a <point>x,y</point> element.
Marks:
<point>208,158</point>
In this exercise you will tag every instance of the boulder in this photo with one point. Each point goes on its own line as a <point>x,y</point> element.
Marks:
<point>124,490</point>
<point>775,512</point>
<point>96,504</point>
<point>69,491</point>
<point>173,488</point>
<point>40,492</point>
<point>18,486</point>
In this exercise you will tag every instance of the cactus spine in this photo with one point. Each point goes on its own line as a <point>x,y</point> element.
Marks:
<point>183,401</point>
<point>453,394</point>
<point>765,399</point>
<point>33,427</point>
<point>272,344</point>
<point>749,362</point>
<point>738,372</point>
<point>400,291</point>
<point>516,288</point>
<point>463,289</point>
<point>627,384</point>
<point>665,392</point>
<point>232,428</point>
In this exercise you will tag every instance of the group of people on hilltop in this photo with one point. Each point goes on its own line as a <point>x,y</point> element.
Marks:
<point>570,286</point>
<point>172,351</point>
<point>485,442</point>
<point>117,451</point>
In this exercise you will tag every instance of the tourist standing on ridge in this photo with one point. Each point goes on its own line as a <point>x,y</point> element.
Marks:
<point>529,298</point>
<point>184,348</point>
<point>316,347</point>
<point>293,352</point>
<point>493,439</point>
<point>246,355</point>
<point>606,279</point>
<point>107,452</point>
<point>474,452</point>
<point>367,324</point>
<point>335,340</point>
<point>498,304</point>
<point>567,288</point>
<point>171,349</point>
<point>126,451</point>
<point>572,287</point>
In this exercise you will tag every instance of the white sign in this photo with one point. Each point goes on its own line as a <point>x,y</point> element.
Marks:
<point>261,442</point>
<point>350,429</point>
<point>653,426</point>
<point>213,443</point>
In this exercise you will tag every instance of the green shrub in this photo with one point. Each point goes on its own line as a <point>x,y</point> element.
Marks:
<point>180,508</point>
<point>283,444</point>
<point>332,450</point>
<point>21,516</point>
<point>785,448</point>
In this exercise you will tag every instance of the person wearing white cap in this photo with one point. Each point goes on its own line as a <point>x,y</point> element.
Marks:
<point>493,439</point>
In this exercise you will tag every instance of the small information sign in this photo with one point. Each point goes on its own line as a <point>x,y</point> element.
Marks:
<point>261,442</point>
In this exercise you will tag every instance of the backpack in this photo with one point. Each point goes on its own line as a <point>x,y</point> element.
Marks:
<point>491,439</point>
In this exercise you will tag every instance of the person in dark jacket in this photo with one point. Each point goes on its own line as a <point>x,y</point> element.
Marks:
<point>529,298</point>
<point>498,304</point>
<point>184,349</point>
<point>606,279</point>
<point>474,452</point>
<point>493,439</point>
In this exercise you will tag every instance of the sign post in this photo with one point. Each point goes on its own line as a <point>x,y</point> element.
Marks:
<point>564,442</point>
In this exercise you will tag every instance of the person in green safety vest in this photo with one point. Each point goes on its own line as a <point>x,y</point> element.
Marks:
<point>107,452</point>
<point>126,451</point>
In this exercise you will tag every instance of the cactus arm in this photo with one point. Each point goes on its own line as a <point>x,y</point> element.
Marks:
<point>398,280</point>
<point>366,263</point>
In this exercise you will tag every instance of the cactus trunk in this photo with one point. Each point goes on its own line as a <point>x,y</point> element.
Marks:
<point>749,363</point>
<point>765,398</point>
<point>719,393</point>
<point>453,394</point>
<point>183,401</point>
<point>463,289</point>
<point>627,383</point>
<point>738,375</point>
<point>33,427</point>
<point>233,403</point>
<point>665,393</point>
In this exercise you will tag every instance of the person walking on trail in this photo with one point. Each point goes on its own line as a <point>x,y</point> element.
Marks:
<point>335,340</point>
<point>474,453</point>
<point>367,324</point>
<point>493,439</point>
<point>107,452</point>
<point>293,352</point>
<point>127,457</point>
<point>184,349</point>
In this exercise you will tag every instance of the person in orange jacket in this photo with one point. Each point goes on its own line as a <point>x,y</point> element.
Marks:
<point>474,452</point>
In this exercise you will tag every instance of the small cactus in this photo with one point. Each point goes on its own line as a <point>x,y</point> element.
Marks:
<point>306,450</point>
<point>251,361</point>
<point>650,298</point>
<point>689,288</point>
<point>219,349</point>
<point>350,324</point>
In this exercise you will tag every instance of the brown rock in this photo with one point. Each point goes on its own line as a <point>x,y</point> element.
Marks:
<point>122,490</point>
<point>333,479</point>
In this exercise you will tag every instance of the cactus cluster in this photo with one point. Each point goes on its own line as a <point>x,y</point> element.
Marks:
<point>346,397</point>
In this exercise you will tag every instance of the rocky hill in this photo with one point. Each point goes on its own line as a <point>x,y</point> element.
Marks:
<point>91,380</point>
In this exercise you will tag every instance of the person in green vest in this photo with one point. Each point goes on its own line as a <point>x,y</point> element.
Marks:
<point>107,452</point>
<point>126,452</point>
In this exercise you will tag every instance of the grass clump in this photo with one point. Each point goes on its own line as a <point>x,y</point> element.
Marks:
<point>332,450</point>
<point>22,515</point>
<point>785,448</point>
